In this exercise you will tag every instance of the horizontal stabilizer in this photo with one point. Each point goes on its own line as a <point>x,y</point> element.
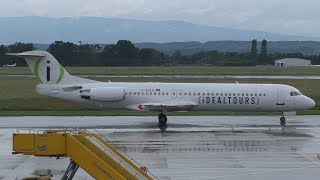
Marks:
<point>27,54</point>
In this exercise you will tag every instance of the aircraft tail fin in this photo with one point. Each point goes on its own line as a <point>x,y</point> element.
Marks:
<point>47,69</point>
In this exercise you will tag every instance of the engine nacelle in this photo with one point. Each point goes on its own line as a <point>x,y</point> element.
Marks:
<point>103,94</point>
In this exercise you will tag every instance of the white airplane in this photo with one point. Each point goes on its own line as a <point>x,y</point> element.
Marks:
<point>10,65</point>
<point>55,81</point>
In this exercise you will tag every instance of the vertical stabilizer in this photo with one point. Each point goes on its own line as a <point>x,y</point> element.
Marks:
<point>47,69</point>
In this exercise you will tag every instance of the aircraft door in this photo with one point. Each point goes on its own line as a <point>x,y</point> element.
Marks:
<point>180,94</point>
<point>280,97</point>
<point>173,94</point>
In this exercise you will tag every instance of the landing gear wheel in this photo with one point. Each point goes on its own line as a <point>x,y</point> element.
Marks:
<point>283,119</point>
<point>162,119</point>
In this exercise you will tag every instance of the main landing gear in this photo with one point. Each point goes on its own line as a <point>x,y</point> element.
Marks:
<point>162,118</point>
<point>162,121</point>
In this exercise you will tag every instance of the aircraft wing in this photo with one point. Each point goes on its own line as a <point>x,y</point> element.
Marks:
<point>167,106</point>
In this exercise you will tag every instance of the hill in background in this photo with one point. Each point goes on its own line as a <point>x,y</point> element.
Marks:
<point>46,30</point>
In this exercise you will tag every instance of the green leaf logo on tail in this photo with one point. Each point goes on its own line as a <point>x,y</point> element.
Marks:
<point>36,70</point>
<point>57,78</point>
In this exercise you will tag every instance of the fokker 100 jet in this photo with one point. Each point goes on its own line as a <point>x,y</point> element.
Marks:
<point>56,82</point>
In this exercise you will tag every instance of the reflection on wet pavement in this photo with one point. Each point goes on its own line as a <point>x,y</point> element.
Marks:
<point>214,147</point>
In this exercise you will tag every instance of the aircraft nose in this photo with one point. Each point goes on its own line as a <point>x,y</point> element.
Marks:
<point>310,102</point>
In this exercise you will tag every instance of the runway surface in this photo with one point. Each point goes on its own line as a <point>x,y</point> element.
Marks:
<point>205,147</point>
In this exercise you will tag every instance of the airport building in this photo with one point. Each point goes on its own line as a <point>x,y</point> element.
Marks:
<point>287,62</point>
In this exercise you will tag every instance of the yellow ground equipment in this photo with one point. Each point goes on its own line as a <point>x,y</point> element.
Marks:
<point>88,150</point>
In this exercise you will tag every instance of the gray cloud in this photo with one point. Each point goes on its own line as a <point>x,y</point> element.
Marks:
<point>285,16</point>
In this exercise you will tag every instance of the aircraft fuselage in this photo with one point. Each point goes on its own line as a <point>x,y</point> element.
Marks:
<point>207,96</point>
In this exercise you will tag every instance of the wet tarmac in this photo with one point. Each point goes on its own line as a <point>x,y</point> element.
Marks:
<point>205,147</point>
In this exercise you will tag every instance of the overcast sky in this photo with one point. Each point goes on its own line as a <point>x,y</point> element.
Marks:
<point>299,17</point>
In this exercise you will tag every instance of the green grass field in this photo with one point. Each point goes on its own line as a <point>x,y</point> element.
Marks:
<point>18,97</point>
<point>178,70</point>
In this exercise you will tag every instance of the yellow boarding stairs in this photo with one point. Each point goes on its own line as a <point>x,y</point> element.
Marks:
<point>87,150</point>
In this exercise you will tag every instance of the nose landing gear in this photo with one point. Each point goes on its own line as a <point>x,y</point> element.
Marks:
<point>282,120</point>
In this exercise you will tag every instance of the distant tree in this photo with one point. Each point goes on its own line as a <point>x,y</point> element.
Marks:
<point>264,48</point>
<point>17,48</point>
<point>88,54</point>
<point>110,50</point>
<point>149,56</point>
<point>3,57</point>
<point>124,53</point>
<point>126,49</point>
<point>96,47</point>
<point>264,52</point>
<point>199,58</point>
<point>21,47</point>
<point>3,50</point>
<point>65,52</point>
<point>176,57</point>
<point>253,52</point>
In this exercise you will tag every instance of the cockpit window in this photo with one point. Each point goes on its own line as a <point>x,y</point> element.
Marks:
<point>294,93</point>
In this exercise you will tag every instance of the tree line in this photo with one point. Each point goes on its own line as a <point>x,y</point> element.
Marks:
<point>124,53</point>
